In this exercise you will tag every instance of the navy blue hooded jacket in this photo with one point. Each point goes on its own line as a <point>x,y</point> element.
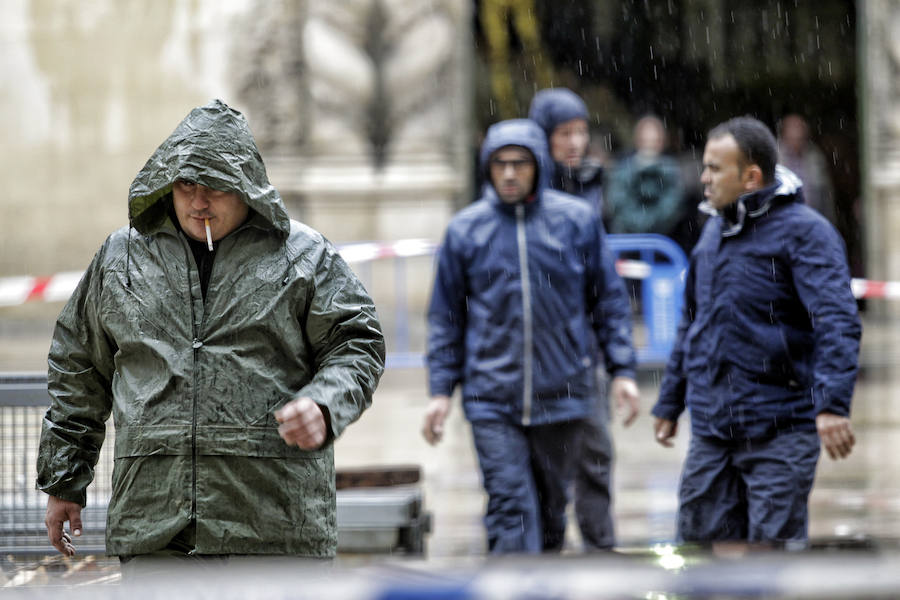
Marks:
<point>525,299</point>
<point>770,332</point>
<point>549,108</point>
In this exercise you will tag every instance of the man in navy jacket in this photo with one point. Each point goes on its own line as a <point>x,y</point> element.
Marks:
<point>525,299</point>
<point>767,350</point>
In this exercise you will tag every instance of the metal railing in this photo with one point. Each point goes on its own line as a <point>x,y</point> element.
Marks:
<point>370,519</point>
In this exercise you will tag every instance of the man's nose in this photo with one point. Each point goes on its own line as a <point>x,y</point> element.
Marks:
<point>201,196</point>
<point>509,170</point>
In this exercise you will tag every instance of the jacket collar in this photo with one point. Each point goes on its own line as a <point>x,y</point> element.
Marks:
<point>786,189</point>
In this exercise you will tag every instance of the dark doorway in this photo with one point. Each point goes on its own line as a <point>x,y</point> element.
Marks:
<point>694,63</point>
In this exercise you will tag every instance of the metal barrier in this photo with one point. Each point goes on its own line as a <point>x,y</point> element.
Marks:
<point>374,518</point>
<point>661,264</point>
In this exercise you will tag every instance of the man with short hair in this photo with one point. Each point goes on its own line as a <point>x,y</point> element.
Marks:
<point>767,351</point>
<point>231,345</point>
<point>563,116</point>
<point>525,299</point>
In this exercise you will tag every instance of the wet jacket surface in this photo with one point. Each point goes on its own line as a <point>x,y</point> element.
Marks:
<point>770,332</point>
<point>526,301</point>
<point>586,182</point>
<point>192,385</point>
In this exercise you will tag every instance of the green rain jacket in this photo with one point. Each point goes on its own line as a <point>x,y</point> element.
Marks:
<point>192,385</point>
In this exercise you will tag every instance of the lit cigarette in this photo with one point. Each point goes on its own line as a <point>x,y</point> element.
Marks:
<point>208,235</point>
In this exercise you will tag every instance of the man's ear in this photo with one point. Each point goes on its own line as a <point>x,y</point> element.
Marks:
<point>753,178</point>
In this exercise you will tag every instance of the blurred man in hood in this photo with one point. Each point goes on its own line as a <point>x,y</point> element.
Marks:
<point>525,300</point>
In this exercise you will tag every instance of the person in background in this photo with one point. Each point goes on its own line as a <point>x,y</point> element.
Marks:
<point>644,191</point>
<point>525,302</point>
<point>232,346</point>
<point>563,116</point>
<point>797,152</point>
<point>766,354</point>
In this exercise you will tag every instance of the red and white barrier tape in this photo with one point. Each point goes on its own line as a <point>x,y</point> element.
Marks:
<point>57,288</point>
<point>866,288</point>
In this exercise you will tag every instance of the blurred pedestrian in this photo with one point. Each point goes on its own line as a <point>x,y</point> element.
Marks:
<point>563,116</point>
<point>644,191</point>
<point>767,350</point>
<point>231,345</point>
<point>525,297</point>
<point>798,153</point>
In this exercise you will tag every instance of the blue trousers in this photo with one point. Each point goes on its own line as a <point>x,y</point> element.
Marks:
<point>527,472</point>
<point>593,479</point>
<point>755,491</point>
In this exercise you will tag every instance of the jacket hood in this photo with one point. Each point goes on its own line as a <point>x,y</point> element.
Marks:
<point>517,132</point>
<point>553,106</point>
<point>787,188</point>
<point>212,146</point>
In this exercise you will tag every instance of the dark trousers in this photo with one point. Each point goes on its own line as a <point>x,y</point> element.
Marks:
<point>754,491</point>
<point>593,479</point>
<point>527,472</point>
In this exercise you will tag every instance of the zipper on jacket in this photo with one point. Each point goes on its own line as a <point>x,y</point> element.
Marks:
<point>196,344</point>
<point>528,354</point>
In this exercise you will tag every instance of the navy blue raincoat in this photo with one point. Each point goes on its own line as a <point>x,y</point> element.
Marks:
<point>770,332</point>
<point>526,300</point>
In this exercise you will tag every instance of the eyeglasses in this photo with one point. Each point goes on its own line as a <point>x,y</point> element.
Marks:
<point>517,164</point>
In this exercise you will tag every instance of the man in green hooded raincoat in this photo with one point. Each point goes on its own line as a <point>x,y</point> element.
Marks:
<point>231,345</point>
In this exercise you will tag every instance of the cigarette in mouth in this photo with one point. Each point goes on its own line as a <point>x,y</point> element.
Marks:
<point>208,235</point>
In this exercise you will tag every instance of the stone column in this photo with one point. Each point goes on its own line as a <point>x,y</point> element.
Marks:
<point>879,37</point>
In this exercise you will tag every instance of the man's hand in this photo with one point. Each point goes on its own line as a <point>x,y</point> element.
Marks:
<point>836,434</point>
<point>58,512</point>
<point>627,398</point>
<point>435,415</point>
<point>665,430</point>
<point>302,424</point>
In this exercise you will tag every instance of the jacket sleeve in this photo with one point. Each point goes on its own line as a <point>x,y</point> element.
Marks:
<point>347,341</point>
<point>822,280</point>
<point>80,366</point>
<point>447,318</point>
<point>671,401</point>
<point>609,307</point>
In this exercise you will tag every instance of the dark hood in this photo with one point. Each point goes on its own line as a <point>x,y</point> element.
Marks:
<point>553,106</point>
<point>212,146</point>
<point>517,132</point>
